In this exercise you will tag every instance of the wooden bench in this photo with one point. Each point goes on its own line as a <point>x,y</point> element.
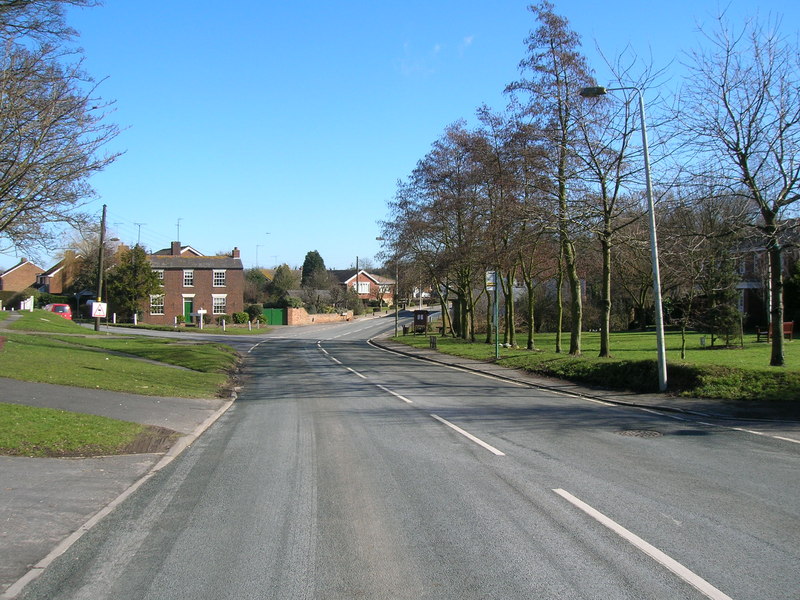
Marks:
<point>788,331</point>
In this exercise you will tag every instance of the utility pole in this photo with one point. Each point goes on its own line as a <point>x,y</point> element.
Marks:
<point>100,265</point>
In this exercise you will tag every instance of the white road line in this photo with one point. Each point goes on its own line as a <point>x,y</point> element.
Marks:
<point>688,576</point>
<point>354,372</point>
<point>395,394</point>
<point>785,439</point>
<point>468,435</point>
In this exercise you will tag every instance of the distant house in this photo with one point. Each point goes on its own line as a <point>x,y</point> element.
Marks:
<point>193,282</point>
<point>20,277</point>
<point>368,286</point>
<point>752,264</point>
<point>60,276</point>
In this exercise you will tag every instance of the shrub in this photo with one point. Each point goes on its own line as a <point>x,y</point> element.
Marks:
<point>254,311</point>
<point>292,302</point>
<point>240,318</point>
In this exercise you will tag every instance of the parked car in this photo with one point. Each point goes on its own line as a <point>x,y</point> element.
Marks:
<point>62,310</point>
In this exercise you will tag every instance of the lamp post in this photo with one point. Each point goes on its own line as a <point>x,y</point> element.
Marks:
<point>595,92</point>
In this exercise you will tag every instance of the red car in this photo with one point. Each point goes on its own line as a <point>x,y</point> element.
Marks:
<point>62,310</point>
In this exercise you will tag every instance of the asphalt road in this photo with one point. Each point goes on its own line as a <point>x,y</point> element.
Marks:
<point>344,471</point>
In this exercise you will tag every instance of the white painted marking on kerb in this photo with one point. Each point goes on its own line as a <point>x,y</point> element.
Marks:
<point>395,394</point>
<point>468,435</point>
<point>688,576</point>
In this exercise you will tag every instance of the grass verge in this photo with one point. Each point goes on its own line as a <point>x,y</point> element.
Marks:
<point>64,353</point>
<point>46,432</point>
<point>730,374</point>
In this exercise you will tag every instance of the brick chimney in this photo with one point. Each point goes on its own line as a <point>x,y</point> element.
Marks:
<point>176,249</point>
<point>235,252</point>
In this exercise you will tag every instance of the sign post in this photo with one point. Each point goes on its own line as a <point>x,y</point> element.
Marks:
<point>99,310</point>
<point>491,286</point>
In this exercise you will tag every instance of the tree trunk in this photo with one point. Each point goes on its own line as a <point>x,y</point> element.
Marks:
<point>531,306</point>
<point>576,303</point>
<point>776,310</point>
<point>559,298</point>
<point>605,317</point>
<point>510,335</point>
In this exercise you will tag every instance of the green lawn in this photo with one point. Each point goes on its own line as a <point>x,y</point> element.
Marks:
<point>726,373</point>
<point>32,431</point>
<point>43,347</point>
<point>64,353</point>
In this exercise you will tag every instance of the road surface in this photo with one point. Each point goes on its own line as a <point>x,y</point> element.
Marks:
<point>344,471</point>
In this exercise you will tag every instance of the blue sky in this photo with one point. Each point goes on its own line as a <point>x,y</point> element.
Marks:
<point>283,127</point>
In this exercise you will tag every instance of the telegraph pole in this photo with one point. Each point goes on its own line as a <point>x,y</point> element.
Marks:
<point>100,265</point>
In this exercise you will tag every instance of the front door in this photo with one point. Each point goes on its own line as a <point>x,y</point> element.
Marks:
<point>188,309</point>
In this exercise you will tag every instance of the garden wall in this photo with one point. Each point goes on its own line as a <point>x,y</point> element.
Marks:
<point>299,316</point>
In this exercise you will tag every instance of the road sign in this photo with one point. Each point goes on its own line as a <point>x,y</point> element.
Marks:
<point>491,280</point>
<point>99,310</point>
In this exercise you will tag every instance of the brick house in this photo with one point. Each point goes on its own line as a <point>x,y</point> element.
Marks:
<point>193,282</point>
<point>368,286</point>
<point>60,276</point>
<point>20,277</point>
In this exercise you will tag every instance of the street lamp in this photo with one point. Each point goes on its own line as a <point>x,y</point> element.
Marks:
<point>595,92</point>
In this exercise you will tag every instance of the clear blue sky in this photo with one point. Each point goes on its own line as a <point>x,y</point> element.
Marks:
<point>283,127</point>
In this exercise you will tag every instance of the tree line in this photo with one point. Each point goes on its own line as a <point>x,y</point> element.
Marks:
<point>550,192</point>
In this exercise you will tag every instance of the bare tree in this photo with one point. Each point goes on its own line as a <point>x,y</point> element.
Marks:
<point>438,221</point>
<point>741,113</point>
<point>612,170</point>
<point>38,19</point>
<point>703,235</point>
<point>553,73</point>
<point>51,135</point>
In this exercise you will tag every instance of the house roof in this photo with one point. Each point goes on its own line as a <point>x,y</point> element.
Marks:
<point>194,262</point>
<point>189,258</point>
<point>22,262</point>
<point>185,250</point>
<point>345,276</point>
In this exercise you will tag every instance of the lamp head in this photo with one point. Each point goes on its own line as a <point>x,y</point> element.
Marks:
<point>593,92</point>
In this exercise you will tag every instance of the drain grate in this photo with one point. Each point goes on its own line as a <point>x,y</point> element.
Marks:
<point>640,433</point>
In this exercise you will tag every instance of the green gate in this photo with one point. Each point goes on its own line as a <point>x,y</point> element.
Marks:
<point>275,316</point>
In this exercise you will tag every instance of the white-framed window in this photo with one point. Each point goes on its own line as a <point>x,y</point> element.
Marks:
<point>363,287</point>
<point>188,277</point>
<point>157,304</point>
<point>219,304</point>
<point>219,278</point>
<point>159,275</point>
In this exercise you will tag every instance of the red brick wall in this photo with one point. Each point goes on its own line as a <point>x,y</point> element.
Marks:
<point>299,316</point>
